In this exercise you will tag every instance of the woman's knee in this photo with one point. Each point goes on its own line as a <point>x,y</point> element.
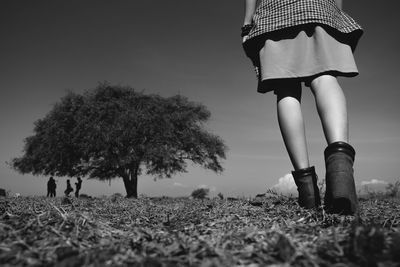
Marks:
<point>323,81</point>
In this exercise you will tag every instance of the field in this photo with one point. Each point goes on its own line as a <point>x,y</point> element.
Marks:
<point>272,231</point>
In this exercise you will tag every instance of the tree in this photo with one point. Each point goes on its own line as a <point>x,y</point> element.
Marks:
<point>114,131</point>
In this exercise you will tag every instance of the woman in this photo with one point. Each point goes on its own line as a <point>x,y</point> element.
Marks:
<point>69,188</point>
<point>310,41</point>
<point>51,187</point>
<point>78,186</point>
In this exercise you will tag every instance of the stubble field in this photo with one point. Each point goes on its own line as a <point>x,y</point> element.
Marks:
<point>272,231</point>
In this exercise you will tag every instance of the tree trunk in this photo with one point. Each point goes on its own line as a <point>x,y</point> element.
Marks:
<point>131,182</point>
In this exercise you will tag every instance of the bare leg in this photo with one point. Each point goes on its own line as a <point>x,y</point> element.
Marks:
<point>340,194</point>
<point>331,106</point>
<point>291,124</point>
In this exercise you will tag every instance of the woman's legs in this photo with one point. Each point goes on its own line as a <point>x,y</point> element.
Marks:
<point>340,195</point>
<point>291,123</point>
<point>331,106</point>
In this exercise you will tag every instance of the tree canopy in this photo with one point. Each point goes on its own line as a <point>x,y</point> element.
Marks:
<point>115,131</point>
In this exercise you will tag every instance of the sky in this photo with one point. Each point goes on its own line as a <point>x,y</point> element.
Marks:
<point>192,48</point>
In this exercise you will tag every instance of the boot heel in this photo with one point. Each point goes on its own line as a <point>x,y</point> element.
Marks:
<point>341,205</point>
<point>340,195</point>
<point>306,181</point>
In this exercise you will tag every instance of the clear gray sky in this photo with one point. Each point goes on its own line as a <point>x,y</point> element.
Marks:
<point>193,48</point>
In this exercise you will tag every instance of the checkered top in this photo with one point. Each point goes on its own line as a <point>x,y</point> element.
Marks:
<point>272,15</point>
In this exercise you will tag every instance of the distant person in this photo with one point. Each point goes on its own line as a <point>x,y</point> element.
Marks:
<point>78,186</point>
<point>51,187</point>
<point>69,189</point>
<point>291,42</point>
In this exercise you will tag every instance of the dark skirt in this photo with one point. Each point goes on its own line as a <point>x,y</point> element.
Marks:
<point>274,15</point>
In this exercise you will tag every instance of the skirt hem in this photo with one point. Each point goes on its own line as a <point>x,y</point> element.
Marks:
<point>267,85</point>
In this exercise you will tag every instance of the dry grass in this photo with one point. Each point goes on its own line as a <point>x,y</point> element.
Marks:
<point>271,231</point>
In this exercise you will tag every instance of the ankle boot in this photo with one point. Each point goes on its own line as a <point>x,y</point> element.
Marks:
<point>340,195</point>
<point>306,181</point>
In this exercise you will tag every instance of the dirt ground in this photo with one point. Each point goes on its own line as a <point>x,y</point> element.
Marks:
<point>269,231</point>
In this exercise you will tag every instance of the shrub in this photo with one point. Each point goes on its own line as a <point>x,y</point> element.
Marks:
<point>85,196</point>
<point>116,197</point>
<point>200,193</point>
<point>392,190</point>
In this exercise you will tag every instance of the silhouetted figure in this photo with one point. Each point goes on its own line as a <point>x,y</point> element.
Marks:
<point>78,186</point>
<point>69,189</point>
<point>51,187</point>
